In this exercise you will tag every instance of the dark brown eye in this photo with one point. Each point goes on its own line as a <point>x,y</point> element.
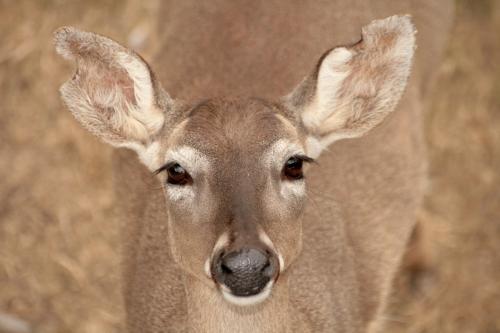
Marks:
<point>293,168</point>
<point>176,175</point>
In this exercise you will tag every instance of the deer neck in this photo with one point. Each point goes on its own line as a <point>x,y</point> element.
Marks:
<point>209,312</point>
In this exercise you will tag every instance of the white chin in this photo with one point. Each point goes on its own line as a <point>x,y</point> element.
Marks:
<point>247,300</point>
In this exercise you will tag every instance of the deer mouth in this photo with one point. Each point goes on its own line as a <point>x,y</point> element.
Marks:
<point>247,300</point>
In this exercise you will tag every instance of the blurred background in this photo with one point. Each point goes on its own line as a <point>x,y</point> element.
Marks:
<point>59,246</point>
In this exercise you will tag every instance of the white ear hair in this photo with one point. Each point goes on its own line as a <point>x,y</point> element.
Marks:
<point>113,93</point>
<point>356,87</point>
<point>331,75</point>
<point>140,75</point>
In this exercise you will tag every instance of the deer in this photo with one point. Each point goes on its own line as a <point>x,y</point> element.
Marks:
<point>272,181</point>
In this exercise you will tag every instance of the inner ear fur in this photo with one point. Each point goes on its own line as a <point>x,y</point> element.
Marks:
<point>113,93</point>
<point>354,88</point>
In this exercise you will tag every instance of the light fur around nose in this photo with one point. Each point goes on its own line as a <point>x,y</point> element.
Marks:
<point>222,242</point>
<point>266,240</point>
<point>248,300</point>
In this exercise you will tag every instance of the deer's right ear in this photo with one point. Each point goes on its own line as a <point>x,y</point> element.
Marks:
<point>113,93</point>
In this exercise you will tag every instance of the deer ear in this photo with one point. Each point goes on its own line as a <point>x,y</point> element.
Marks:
<point>354,88</point>
<point>113,93</point>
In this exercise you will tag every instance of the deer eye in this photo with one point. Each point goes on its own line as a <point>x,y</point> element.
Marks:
<point>293,168</point>
<point>177,175</point>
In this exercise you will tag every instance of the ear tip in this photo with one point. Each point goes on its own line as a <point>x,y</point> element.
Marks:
<point>405,24</point>
<point>71,42</point>
<point>400,27</point>
<point>401,24</point>
<point>63,37</point>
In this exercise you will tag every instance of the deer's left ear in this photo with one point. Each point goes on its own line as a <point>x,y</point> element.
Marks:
<point>354,88</point>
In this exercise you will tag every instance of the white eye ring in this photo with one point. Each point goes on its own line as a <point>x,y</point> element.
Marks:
<point>180,193</point>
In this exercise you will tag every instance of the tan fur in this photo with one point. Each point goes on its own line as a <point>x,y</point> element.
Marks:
<point>343,242</point>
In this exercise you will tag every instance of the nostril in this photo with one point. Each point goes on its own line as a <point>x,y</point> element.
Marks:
<point>225,269</point>
<point>267,270</point>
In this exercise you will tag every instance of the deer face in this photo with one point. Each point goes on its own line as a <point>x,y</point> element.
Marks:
<point>232,170</point>
<point>235,191</point>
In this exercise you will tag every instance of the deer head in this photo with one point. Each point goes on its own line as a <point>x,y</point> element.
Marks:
<point>233,169</point>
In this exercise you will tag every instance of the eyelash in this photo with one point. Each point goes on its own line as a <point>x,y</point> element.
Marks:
<point>293,168</point>
<point>304,158</point>
<point>163,168</point>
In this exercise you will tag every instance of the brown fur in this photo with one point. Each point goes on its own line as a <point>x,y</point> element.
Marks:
<point>363,193</point>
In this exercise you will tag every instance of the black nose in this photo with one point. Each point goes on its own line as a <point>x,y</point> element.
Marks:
<point>245,272</point>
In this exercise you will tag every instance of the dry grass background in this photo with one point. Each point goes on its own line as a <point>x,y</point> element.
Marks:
<point>59,247</point>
